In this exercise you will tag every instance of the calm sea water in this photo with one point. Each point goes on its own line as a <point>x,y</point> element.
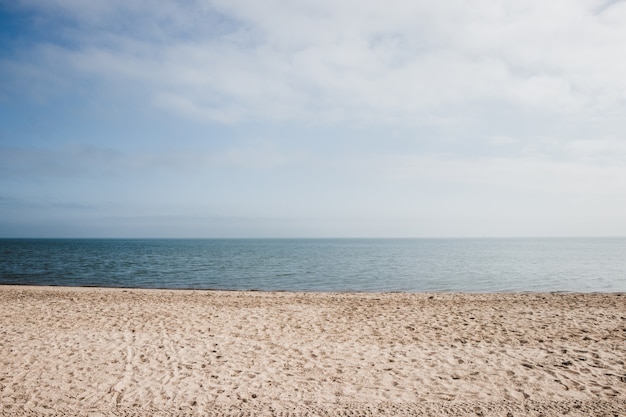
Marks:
<point>412,265</point>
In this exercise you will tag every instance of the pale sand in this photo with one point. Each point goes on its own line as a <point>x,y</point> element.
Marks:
<point>85,351</point>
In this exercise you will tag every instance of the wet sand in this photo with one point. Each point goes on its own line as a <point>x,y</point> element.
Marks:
<point>93,351</point>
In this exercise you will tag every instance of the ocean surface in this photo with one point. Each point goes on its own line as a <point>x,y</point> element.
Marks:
<point>408,265</point>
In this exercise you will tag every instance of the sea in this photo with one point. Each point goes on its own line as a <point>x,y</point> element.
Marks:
<point>357,265</point>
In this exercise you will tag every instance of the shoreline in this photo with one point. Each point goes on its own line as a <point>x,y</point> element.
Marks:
<point>348,292</point>
<point>128,351</point>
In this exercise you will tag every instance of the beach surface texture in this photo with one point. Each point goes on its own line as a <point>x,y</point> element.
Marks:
<point>117,352</point>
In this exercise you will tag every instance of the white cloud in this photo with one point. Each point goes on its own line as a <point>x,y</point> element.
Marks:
<point>366,62</point>
<point>405,110</point>
<point>499,140</point>
<point>535,174</point>
<point>606,152</point>
<point>72,161</point>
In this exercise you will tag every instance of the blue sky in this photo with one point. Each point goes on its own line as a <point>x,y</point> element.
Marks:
<point>312,118</point>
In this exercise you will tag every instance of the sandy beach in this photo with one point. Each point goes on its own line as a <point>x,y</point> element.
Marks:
<point>99,352</point>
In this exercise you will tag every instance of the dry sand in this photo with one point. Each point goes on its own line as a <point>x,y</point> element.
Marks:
<point>86,351</point>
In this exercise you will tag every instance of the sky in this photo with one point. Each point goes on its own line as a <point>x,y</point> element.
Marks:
<point>312,118</point>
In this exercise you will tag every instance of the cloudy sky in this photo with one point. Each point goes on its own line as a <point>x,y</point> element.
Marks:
<point>312,118</point>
